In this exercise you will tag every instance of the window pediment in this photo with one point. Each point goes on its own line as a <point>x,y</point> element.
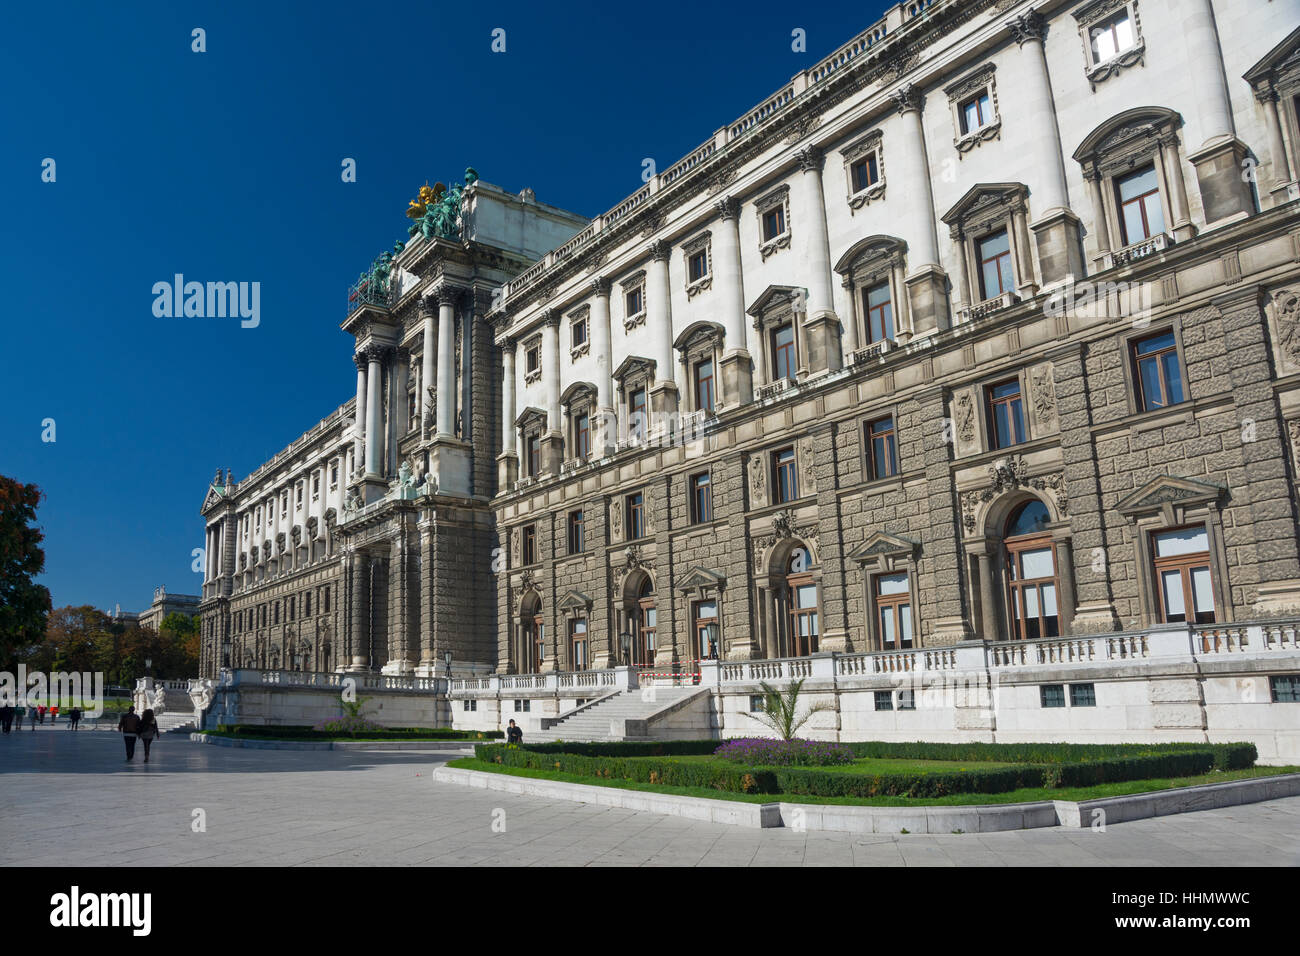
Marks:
<point>574,601</point>
<point>1125,139</point>
<point>633,367</point>
<point>881,545</point>
<point>871,256</point>
<point>530,416</point>
<point>777,304</point>
<point>699,335</point>
<point>701,579</point>
<point>983,206</point>
<point>577,392</point>
<point>1169,495</point>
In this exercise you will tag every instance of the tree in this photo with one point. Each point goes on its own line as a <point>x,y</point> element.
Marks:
<point>781,711</point>
<point>24,604</point>
<point>73,637</point>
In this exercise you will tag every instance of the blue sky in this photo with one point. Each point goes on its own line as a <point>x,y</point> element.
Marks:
<point>225,166</point>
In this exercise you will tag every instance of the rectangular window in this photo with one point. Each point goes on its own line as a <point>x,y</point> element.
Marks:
<point>1183,579</point>
<point>880,313</point>
<point>575,532</point>
<point>636,413</point>
<point>1052,695</point>
<point>529,552</point>
<point>534,455</point>
<point>697,266</point>
<point>882,449</point>
<point>334,475</point>
<point>276,609</point>
<point>1140,214</point>
<point>1110,37</point>
<point>1006,414</point>
<point>582,436</point>
<point>774,223</point>
<point>976,112</point>
<point>704,618</point>
<point>783,357</point>
<point>704,385</point>
<point>635,516</point>
<point>906,700</point>
<point>884,700</point>
<point>634,301</point>
<point>866,173</point>
<point>701,498</point>
<point>894,611</point>
<point>578,333</point>
<point>326,595</point>
<point>306,604</point>
<point>995,274</point>
<point>786,483</point>
<point>1083,695</point>
<point>533,359</point>
<point>1285,688</point>
<point>756,703</point>
<point>1158,372</point>
<point>578,644</point>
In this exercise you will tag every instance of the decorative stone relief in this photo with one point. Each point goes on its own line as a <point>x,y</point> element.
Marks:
<point>757,481</point>
<point>1009,474</point>
<point>783,526</point>
<point>1042,395</point>
<point>514,547</point>
<point>616,521</point>
<point>1286,314</point>
<point>806,457</point>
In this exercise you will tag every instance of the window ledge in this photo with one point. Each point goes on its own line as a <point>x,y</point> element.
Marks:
<point>533,376</point>
<point>699,285</point>
<point>632,321</point>
<point>771,246</point>
<point>980,309</point>
<point>1139,250</point>
<point>864,197</point>
<point>968,141</point>
<point>1104,70</point>
<point>578,351</point>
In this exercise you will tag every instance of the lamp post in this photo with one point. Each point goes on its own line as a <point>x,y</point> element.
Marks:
<point>625,646</point>
<point>711,640</point>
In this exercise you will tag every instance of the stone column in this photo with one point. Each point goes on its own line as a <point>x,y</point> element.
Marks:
<point>602,344</point>
<point>428,663</point>
<point>359,571</point>
<point>1226,198</point>
<point>823,347</point>
<point>508,460</point>
<point>988,597</point>
<point>553,438</point>
<point>399,594</point>
<point>360,428</point>
<point>659,316</point>
<point>1167,155</point>
<point>1100,221</point>
<point>446,386</point>
<point>926,282</point>
<point>374,411</point>
<point>729,286</point>
<point>772,645</point>
<point>428,370</point>
<point>1056,229</point>
<point>1281,166</point>
<point>402,365</point>
<point>944,603</point>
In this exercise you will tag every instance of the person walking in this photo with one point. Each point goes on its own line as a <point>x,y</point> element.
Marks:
<point>74,718</point>
<point>129,725</point>
<point>148,731</point>
<point>36,715</point>
<point>6,717</point>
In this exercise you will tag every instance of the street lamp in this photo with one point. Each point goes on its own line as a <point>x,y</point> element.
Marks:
<point>625,645</point>
<point>148,666</point>
<point>711,640</point>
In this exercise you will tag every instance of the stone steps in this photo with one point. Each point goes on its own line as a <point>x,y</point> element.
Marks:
<point>593,723</point>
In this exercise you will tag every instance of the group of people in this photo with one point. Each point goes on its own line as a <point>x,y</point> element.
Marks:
<point>10,715</point>
<point>133,725</point>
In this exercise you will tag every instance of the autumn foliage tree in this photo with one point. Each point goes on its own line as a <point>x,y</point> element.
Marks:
<point>24,604</point>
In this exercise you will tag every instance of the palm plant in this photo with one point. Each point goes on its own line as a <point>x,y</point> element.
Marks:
<point>781,710</point>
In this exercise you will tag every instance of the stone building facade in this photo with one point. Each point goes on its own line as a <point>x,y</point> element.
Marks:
<point>978,339</point>
<point>976,331</point>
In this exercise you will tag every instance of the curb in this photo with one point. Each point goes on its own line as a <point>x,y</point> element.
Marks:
<point>453,746</point>
<point>846,819</point>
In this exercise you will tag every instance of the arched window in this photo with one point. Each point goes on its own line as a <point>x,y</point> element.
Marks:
<point>642,621</point>
<point>802,596</point>
<point>1032,585</point>
<point>533,635</point>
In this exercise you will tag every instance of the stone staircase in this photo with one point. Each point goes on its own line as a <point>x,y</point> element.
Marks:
<point>175,722</point>
<point>606,719</point>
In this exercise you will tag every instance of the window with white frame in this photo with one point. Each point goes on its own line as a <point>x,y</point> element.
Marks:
<point>864,170</point>
<point>533,360</point>
<point>773,221</point>
<point>1112,37</point>
<point>974,103</point>
<point>633,300</point>
<point>698,255</point>
<point>579,333</point>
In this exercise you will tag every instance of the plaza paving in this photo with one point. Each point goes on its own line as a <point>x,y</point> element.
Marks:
<point>70,799</point>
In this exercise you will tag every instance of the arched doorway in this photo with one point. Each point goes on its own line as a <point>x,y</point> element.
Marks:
<point>532,634</point>
<point>801,599</point>
<point>1032,584</point>
<point>642,619</point>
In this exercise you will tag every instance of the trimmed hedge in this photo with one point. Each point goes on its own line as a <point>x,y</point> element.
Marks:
<point>1231,756</point>
<point>390,733</point>
<point>664,748</point>
<point>1136,762</point>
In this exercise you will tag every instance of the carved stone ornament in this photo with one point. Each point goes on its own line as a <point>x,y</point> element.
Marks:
<point>757,479</point>
<point>783,527</point>
<point>1043,386</point>
<point>806,457</point>
<point>1009,474</point>
<point>616,521</point>
<point>965,417</point>
<point>1287,304</point>
<point>514,547</point>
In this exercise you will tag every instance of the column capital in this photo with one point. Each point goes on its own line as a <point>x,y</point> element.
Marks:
<point>908,98</point>
<point>359,358</point>
<point>403,353</point>
<point>377,353</point>
<point>508,345</point>
<point>659,250</point>
<point>811,159</point>
<point>551,319</point>
<point>728,208</point>
<point>600,285</point>
<point>445,293</point>
<point>1029,26</point>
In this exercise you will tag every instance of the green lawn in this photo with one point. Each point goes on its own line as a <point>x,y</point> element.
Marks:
<point>964,799</point>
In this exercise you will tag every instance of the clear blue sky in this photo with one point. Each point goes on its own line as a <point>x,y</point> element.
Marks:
<point>225,165</point>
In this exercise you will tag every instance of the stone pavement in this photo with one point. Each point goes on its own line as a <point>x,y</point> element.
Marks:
<point>71,799</point>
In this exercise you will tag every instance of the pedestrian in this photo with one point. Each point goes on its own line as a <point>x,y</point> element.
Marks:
<point>6,716</point>
<point>40,713</point>
<point>36,715</point>
<point>514,733</point>
<point>74,718</point>
<point>129,725</point>
<point>148,731</point>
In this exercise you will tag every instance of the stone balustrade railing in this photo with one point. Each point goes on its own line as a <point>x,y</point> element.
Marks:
<point>553,682</point>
